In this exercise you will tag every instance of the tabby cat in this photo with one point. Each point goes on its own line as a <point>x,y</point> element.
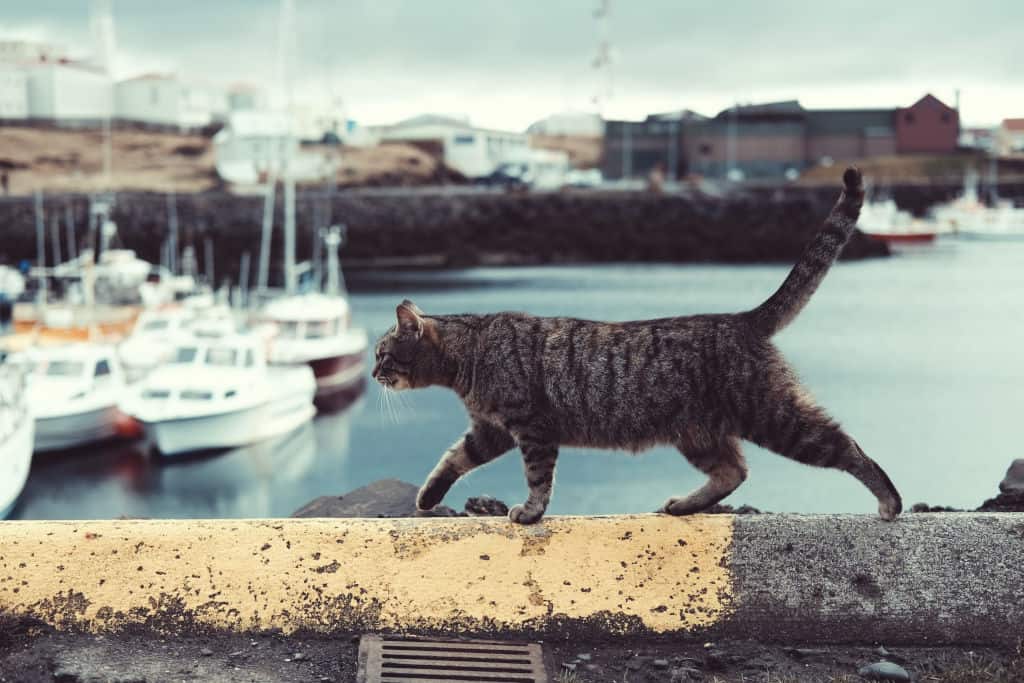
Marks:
<point>700,383</point>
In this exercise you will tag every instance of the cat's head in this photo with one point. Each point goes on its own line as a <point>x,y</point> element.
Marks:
<point>407,354</point>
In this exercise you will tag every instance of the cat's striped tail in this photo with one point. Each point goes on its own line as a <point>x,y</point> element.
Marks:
<point>784,305</point>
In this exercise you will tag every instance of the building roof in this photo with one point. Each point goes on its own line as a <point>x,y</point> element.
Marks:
<point>931,100</point>
<point>432,120</point>
<point>1013,124</point>
<point>151,77</point>
<point>677,115</point>
<point>848,121</point>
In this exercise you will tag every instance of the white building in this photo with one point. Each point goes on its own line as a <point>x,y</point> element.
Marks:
<point>68,92</point>
<point>246,97</point>
<point>574,123</point>
<point>162,99</point>
<point>23,51</point>
<point>1011,137</point>
<point>472,151</point>
<point>254,145</point>
<point>13,92</point>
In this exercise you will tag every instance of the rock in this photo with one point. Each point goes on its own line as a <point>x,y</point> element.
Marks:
<point>568,666</point>
<point>882,652</point>
<point>384,498</point>
<point>660,663</point>
<point>206,652</point>
<point>804,652</point>
<point>1013,482</point>
<point>884,671</point>
<point>925,507</point>
<point>1004,502</point>
<point>298,657</point>
<point>635,664</point>
<point>486,506</point>
<point>583,657</point>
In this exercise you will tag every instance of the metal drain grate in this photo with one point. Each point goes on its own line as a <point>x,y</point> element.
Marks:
<point>391,660</point>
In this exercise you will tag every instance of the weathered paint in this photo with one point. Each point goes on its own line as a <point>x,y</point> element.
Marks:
<point>635,574</point>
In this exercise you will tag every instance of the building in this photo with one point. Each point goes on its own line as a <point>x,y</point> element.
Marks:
<point>246,97</point>
<point>68,93</point>
<point>572,123</point>
<point>24,52</point>
<point>927,127</point>
<point>254,146</point>
<point>470,150</point>
<point>164,100</point>
<point>983,139</point>
<point>633,148</point>
<point>1011,137</point>
<point>13,92</point>
<point>775,139</point>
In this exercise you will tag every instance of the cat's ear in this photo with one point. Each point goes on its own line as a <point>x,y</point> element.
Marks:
<point>410,318</point>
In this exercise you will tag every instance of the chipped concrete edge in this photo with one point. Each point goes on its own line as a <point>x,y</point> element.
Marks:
<point>945,578</point>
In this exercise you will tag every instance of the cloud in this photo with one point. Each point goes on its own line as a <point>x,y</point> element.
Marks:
<point>507,63</point>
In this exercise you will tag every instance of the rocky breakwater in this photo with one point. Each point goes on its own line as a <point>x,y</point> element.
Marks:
<point>446,228</point>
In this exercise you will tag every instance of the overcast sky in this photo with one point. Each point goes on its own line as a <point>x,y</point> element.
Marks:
<point>506,63</point>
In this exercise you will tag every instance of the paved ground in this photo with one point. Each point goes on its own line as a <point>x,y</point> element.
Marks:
<point>34,655</point>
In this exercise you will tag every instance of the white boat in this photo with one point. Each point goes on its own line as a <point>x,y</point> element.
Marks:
<point>151,342</point>
<point>883,220</point>
<point>73,391</point>
<point>969,217</point>
<point>16,434</point>
<point>313,329</point>
<point>218,393</point>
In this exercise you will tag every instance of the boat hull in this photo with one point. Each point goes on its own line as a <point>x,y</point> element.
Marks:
<point>338,374</point>
<point>908,238</point>
<point>77,429</point>
<point>233,429</point>
<point>15,460</point>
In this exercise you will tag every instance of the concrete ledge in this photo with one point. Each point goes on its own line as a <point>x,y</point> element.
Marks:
<point>926,579</point>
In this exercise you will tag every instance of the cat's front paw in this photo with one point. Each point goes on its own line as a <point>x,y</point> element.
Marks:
<point>521,515</point>
<point>429,496</point>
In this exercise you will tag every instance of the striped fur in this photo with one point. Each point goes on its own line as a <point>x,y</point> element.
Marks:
<point>701,383</point>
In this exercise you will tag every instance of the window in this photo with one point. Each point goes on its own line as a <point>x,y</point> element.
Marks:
<point>64,368</point>
<point>151,394</point>
<point>192,395</point>
<point>909,117</point>
<point>221,357</point>
<point>250,359</point>
<point>156,326</point>
<point>704,149</point>
<point>288,329</point>
<point>946,118</point>
<point>186,354</point>
<point>316,329</point>
<point>465,139</point>
<point>103,368</point>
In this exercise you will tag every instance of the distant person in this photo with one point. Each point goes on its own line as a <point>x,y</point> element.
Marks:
<point>656,178</point>
<point>5,183</point>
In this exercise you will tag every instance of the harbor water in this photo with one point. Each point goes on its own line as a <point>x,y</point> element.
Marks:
<point>920,357</point>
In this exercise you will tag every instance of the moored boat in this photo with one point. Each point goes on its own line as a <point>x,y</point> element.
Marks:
<point>16,434</point>
<point>219,393</point>
<point>73,392</point>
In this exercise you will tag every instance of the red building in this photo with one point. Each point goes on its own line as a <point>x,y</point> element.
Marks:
<point>927,127</point>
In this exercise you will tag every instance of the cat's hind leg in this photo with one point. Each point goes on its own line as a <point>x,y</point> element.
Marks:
<point>722,460</point>
<point>794,427</point>
<point>539,462</point>
<point>480,445</point>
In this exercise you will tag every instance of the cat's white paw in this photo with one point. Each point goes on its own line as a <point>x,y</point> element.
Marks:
<point>520,515</point>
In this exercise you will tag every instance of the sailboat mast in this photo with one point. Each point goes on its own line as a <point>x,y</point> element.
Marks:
<point>287,37</point>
